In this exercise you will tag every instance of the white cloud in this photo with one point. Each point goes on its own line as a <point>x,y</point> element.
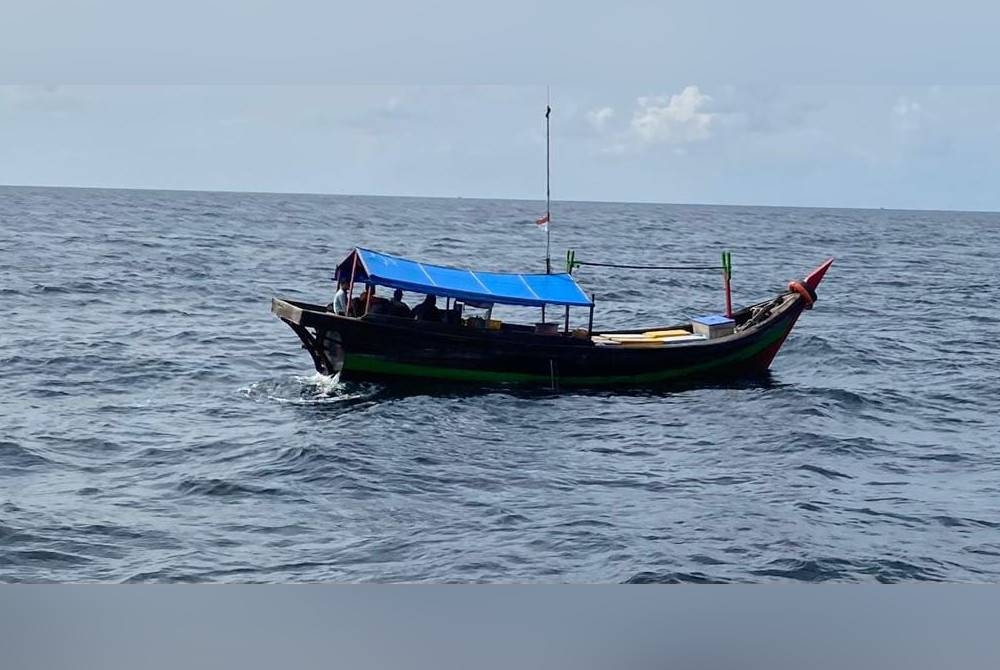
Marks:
<point>907,114</point>
<point>677,119</point>
<point>905,107</point>
<point>598,118</point>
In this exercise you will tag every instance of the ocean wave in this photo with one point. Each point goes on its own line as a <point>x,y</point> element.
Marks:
<point>223,488</point>
<point>158,425</point>
<point>15,456</point>
<point>675,578</point>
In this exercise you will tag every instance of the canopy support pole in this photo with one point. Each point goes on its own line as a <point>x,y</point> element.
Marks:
<point>590,323</point>
<point>548,214</point>
<point>350,289</point>
<point>566,327</point>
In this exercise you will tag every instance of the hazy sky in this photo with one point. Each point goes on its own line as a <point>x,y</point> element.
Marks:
<point>785,103</point>
<point>870,146</point>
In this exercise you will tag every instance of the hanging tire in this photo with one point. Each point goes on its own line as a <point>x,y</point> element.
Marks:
<point>807,294</point>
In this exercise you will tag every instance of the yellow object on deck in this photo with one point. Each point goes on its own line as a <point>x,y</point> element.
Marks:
<point>629,340</point>
<point>641,341</point>
<point>624,336</point>
<point>677,332</point>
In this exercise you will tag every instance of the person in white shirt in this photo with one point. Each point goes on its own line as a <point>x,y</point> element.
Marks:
<point>340,300</point>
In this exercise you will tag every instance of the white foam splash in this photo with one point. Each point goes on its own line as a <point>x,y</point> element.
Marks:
<point>324,384</point>
<point>307,389</point>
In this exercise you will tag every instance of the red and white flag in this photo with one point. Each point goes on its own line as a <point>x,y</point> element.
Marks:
<point>542,221</point>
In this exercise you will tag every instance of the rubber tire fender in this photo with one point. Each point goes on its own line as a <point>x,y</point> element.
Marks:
<point>808,295</point>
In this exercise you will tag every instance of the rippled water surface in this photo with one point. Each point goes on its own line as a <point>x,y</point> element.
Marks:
<point>159,424</point>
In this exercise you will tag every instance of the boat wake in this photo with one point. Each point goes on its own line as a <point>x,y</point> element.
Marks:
<point>308,390</point>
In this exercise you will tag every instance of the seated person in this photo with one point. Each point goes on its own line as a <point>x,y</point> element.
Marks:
<point>357,307</point>
<point>368,302</point>
<point>427,310</point>
<point>453,315</point>
<point>377,305</point>
<point>399,308</point>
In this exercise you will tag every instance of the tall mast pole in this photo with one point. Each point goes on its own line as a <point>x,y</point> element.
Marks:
<point>548,194</point>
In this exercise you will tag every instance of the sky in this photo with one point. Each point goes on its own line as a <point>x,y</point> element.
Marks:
<point>864,105</point>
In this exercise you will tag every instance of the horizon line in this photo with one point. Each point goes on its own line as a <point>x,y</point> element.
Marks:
<point>478,197</point>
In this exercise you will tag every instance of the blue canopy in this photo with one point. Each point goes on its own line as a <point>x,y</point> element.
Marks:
<point>477,287</point>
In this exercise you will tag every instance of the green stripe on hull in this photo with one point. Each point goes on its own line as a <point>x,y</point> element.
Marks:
<point>373,364</point>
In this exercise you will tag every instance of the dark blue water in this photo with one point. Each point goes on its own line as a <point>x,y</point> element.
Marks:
<point>159,424</point>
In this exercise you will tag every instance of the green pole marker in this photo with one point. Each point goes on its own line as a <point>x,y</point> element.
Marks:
<point>570,260</point>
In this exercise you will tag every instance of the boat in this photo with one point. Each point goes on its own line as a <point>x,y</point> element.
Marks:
<point>366,343</point>
<point>373,345</point>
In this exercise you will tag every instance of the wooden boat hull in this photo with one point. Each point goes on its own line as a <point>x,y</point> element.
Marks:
<point>385,348</point>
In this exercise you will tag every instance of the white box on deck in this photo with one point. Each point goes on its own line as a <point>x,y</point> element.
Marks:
<point>713,326</point>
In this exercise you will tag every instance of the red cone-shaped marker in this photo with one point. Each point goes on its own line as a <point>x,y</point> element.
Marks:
<point>816,276</point>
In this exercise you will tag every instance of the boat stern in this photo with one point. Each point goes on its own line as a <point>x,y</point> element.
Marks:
<point>316,329</point>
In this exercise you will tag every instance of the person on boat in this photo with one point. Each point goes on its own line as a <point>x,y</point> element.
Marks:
<point>373,304</point>
<point>399,308</point>
<point>360,304</point>
<point>340,299</point>
<point>427,310</point>
<point>453,315</point>
<point>379,305</point>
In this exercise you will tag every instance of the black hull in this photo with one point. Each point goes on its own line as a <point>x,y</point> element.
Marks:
<point>385,348</point>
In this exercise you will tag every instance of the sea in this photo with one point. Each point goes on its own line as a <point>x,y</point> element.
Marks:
<point>159,424</point>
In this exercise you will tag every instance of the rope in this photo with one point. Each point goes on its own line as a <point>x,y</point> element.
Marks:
<point>651,267</point>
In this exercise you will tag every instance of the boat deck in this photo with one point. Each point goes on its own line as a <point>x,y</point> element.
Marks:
<point>650,338</point>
